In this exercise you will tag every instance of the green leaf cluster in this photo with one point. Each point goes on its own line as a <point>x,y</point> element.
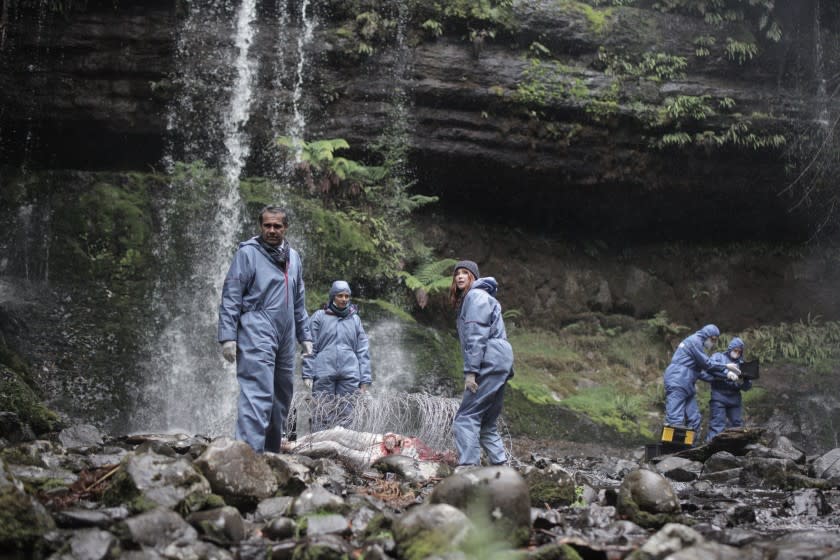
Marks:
<point>807,342</point>
<point>757,13</point>
<point>655,66</point>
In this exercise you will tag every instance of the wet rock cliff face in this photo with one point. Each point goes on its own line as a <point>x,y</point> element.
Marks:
<point>90,88</point>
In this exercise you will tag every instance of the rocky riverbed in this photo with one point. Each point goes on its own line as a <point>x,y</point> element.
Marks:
<point>82,494</point>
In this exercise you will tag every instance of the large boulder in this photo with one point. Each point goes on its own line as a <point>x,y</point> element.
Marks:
<point>499,495</point>
<point>648,499</point>
<point>148,480</point>
<point>431,529</point>
<point>23,520</point>
<point>553,487</point>
<point>236,472</point>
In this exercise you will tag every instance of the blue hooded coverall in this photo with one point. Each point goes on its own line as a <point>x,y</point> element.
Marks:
<point>725,401</point>
<point>687,365</point>
<point>340,360</point>
<point>263,310</point>
<point>488,354</point>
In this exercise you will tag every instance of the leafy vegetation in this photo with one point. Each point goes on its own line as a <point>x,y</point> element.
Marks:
<point>597,18</point>
<point>655,66</point>
<point>759,14</point>
<point>603,367</point>
<point>428,279</point>
<point>806,342</point>
<point>375,202</point>
<point>464,16</point>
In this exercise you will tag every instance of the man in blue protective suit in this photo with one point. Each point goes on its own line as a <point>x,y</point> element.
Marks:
<point>261,315</point>
<point>687,365</point>
<point>725,400</point>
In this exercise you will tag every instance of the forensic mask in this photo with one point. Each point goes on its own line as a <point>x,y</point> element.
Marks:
<point>735,354</point>
<point>708,344</point>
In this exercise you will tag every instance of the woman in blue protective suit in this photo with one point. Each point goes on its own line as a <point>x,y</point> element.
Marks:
<point>725,400</point>
<point>488,364</point>
<point>688,364</point>
<point>339,365</point>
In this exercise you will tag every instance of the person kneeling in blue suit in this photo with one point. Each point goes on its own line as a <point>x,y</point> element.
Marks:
<point>690,363</point>
<point>725,402</point>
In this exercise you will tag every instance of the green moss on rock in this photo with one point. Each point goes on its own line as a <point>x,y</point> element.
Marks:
<point>18,396</point>
<point>23,521</point>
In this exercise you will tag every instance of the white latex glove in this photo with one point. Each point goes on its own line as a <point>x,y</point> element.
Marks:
<point>229,350</point>
<point>470,384</point>
<point>733,367</point>
<point>363,388</point>
<point>307,347</point>
<point>307,382</point>
<point>731,376</point>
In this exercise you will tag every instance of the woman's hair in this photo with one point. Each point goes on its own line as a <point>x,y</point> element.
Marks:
<point>456,295</point>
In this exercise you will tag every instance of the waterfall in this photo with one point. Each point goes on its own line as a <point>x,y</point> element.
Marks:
<point>819,69</point>
<point>298,125</point>
<point>187,386</point>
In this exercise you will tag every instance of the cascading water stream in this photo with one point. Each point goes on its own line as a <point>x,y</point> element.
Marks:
<point>819,69</point>
<point>188,387</point>
<point>308,22</point>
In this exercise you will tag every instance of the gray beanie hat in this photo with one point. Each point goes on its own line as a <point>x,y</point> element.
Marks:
<point>339,286</point>
<point>468,265</point>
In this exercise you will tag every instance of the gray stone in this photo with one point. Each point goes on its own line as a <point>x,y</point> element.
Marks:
<point>293,472</point>
<point>32,474</point>
<point>827,465</point>
<point>317,498</point>
<point>14,429</point>
<point>326,524</point>
<point>221,525</point>
<point>670,539</point>
<point>408,468</point>
<point>196,550</point>
<point>81,438</point>
<point>323,547</point>
<point>441,524</point>
<point>721,461</point>
<point>73,518</point>
<point>707,550</point>
<point>166,481</point>
<point>729,476</point>
<point>99,460</point>
<point>650,491</point>
<point>553,487</point>
<point>93,544</point>
<point>500,493</point>
<point>679,469</point>
<point>784,448</point>
<point>25,519</point>
<point>280,528</point>
<point>158,529</point>
<point>810,502</point>
<point>273,507</point>
<point>769,472</point>
<point>236,472</point>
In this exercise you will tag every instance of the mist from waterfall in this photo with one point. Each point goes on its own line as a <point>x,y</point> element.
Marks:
<point>187,386</point>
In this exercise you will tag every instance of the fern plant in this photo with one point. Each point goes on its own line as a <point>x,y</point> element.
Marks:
<point>324,172</point>
<point>428,279</point>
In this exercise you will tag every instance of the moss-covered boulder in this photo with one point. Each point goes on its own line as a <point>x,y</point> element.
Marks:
<point>21,398</point>
<point>551,487</point>
<point>23,520</point>
<point>430,530</point>
<point>496,496</point>
<point>648,499</point>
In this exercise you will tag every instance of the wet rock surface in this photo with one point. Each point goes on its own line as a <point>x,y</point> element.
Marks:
<point>155,501</point>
